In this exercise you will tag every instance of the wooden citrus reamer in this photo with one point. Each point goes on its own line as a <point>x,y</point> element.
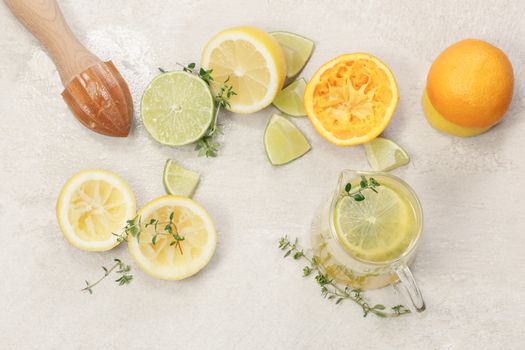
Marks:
<point>94,90</point>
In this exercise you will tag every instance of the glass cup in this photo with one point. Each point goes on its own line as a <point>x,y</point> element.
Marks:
<point>345,266</point>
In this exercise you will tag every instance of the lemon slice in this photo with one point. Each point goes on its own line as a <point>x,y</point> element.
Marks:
<point>92,205</point>
<point>283,141</point>
<point>177,108</point>
<point>165,260</point>
<point>179,181</point>
<point>379,228</point>
<point>297,50</point>
<point>253,62</point>
<point>291,99</point>
<point>384,154</point>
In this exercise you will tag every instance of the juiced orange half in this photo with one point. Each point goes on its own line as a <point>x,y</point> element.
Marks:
<point>351,99</point>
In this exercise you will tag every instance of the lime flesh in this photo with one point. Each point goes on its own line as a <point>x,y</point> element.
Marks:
<point>283,141</point>
<point>291,99</point>
<point>177,108</point>
<point>384,154</point>
<point>297,50</point>
<point>178,180</point>
<point>379,228</point>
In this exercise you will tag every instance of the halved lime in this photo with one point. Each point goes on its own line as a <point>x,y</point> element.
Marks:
<point>384,154</point>
<point>178,180</point>
<point>177,108</point>
<point>283,141</point>
<point>297,50</point>
<point>291,99</point>
<point>378,228</point>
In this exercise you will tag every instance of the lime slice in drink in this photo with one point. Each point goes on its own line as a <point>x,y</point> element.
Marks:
<point>291,99</point>
<point>378,228</point>
<point>384,154</point>
<point>297,51</point>
<point>283,141</point>
<point>177,108</point>
<point>179,181</point>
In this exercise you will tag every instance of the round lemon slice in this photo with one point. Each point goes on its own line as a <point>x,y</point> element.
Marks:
<point>91,206</point>
<point>164,257</point>
<point>253,63</point>
<point>379,228</point>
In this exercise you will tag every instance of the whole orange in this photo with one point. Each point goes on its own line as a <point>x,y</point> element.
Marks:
<point>470,87</point>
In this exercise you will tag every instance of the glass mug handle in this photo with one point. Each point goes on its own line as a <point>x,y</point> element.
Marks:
<point>408,287</point>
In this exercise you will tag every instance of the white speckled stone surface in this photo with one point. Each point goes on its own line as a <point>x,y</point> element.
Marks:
<point>470,264</point>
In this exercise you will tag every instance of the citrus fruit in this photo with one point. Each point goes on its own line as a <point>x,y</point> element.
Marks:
<point>92,205</point>
<point>177,108</point>
<point>297,51</point>
<point>385,155</point>
<point>379,228</point>
<point>469,88</point>
<point>163,258</point>
<point>283,141</point>
<point>253,62</point>
<point>351,99</point>
<point>179,181</point>
<point>291,99</point>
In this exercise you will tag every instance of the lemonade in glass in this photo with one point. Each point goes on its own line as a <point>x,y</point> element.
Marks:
<point>366,234</point>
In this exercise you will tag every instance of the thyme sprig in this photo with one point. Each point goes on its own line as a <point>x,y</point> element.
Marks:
<point>170,229</point>
<point>364,184</point>
<point>133,228</point>
<point>121,268</point>
<point>330,289</point>
<point>207,145</point>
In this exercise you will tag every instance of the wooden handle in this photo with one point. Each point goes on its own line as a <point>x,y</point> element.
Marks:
<point>44,19</point>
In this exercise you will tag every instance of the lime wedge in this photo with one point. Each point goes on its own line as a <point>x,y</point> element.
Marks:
<point>283,141</point>
<point>179,181</point>
<point>384,154</point>
<point>379,228</point>
<point>297,51</point>
<point>177,108</point>
<point>291,99</point>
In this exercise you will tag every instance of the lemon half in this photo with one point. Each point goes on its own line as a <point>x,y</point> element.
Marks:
<point>92,205</point>
<point>164,259</point>
<point>253,63</point>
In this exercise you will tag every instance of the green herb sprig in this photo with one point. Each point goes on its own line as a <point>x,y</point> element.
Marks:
<point>332,291</point>
<point>133,228</point>
<point>207,145</point>
<point>364,184</point>
<point>170,229</point>
<point>121,268</point>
